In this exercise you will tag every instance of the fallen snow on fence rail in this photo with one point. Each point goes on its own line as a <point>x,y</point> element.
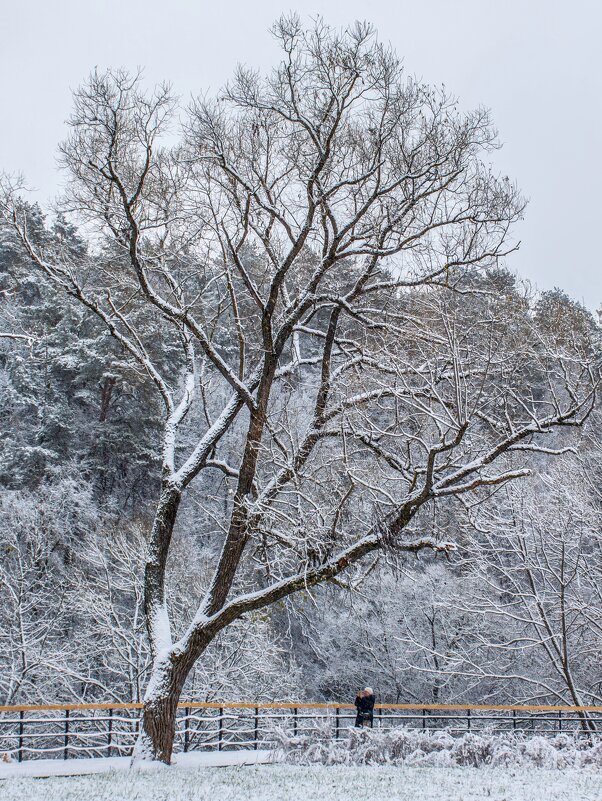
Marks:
<point>292,782</point>
<point>405,746</point>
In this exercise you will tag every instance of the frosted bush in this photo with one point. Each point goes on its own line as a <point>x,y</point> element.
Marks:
<point>473,750</point>
<point>503,757</point>
<point>405,746</point>
<point>592,757</point>
<point>542,754</point>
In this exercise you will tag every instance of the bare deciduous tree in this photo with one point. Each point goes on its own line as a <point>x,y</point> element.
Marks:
<point>538,577</point>
<point>284,276</point>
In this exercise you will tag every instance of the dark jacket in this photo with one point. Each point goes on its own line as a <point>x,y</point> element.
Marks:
<point>365,709</point>
<point>365,704</point>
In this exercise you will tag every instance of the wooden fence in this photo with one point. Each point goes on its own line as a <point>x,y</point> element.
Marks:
<point>65,731</point>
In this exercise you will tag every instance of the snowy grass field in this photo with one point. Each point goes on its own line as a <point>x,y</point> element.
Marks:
<point>397,765</point>
<point>328,783</point>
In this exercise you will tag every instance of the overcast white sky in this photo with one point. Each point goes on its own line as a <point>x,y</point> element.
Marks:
<point>535,63</point>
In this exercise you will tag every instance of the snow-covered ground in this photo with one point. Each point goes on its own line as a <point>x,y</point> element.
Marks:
<point>43,768</point>
<point>280,782</point>
<point>399,765</point>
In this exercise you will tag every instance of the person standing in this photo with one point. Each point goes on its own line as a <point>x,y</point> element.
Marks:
<point>364,703</point>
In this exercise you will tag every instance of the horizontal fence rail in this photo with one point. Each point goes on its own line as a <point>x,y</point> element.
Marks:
<point>65,731</point>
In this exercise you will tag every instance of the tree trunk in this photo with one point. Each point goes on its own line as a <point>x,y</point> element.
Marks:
<point>158,727</point>
<point>158,724</point>
<point>105,397</point>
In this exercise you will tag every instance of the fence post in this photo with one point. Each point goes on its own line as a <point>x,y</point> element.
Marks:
<point>66,746</point>
<point>186,732</point>
<point>424,718</point>
<point>337,722</point>
<point>256,733</point>
<point>514,718</point>
<point>110,734</point>
<point>221,728</point>
<point>380,717</point>
<point>295,710</point>
<point>136,721</point>
<point>468,721</point>
<point>560,720</point>
<point>21,725</point>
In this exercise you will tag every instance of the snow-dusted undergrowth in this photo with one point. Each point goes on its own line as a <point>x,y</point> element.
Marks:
<point>404,746</point>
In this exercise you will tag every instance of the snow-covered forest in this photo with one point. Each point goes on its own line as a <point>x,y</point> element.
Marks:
<point>278,419</point>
